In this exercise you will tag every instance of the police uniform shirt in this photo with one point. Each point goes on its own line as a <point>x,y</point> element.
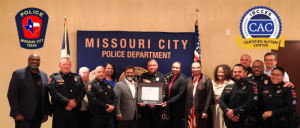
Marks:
<point>100,93</point>
<point>279,100</point>
<point>242,100</point>
<point>154,78</point>
<point>249,71</point>
<point>261,81</point>
<point>63,87</point>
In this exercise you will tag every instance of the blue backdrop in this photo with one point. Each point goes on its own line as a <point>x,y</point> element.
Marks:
<point>122,48</point>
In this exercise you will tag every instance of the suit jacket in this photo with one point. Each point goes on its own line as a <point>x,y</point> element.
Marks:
<point>22,95</point>
<point>127,105</point>
<point>176,101</point>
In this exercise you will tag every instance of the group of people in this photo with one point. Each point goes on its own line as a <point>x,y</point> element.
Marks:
<point>244,96</point>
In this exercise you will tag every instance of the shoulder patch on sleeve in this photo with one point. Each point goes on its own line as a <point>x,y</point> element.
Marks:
<point>89,87</point>
<point>49,79</point>
<point>255,90</point>
<point>253,83</point>
<point>293,93</point>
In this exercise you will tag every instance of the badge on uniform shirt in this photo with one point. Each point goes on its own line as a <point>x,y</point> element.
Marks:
<point>100,90</point>
<point>108,87</point>
<point>89,87</point>
<point>157,78</point>
<point>266,81</point>
<point>266,91</point>
<point>244,87</point>
<point>49,80</point>
<point>249,75</point>
<point>278,91</point>
<point>255,90</point>
<point>166,81</point>
<point>293,93</point>
<point>75,79</point>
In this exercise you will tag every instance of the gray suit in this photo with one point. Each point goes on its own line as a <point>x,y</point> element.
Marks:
<point>127,105</point>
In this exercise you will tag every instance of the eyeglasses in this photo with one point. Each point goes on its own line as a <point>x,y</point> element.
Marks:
<point>257,66</point>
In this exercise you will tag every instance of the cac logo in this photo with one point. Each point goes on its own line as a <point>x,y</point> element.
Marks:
<point>32,25</point>
<point>260,28</point>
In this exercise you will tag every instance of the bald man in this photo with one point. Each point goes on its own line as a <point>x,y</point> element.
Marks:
<point>246,62</point>
<point>28,95</point>
<point>103,99</point>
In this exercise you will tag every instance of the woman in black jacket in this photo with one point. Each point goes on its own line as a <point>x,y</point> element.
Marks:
<point>175,93</point>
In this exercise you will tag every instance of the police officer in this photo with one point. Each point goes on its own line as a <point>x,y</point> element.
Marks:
<point>238,100</point>
<point>102,98</point>
<point>279,103</point>
<point>66,90</point>
<point>151,114</point>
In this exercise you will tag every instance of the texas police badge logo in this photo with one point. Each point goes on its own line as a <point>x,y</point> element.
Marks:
<point>32,25</point>
<point>260,28</point>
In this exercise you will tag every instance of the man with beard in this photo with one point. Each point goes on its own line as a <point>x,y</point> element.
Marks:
<point>126,91</point>
<point>262,80</point>
<point>66,90</point>
<point>102,98</point>
<point>246,62</point>
<point>28,95</point>
<point>151,114</point>
<point>238,100</point>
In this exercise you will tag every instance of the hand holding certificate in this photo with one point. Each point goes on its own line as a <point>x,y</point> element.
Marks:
<point>150,93</point>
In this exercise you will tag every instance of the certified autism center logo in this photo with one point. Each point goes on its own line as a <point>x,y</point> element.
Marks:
<point>260,29</point>
<point>32,25</point>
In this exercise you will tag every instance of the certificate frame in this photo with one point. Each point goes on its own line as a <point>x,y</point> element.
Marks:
<point>151,100</point>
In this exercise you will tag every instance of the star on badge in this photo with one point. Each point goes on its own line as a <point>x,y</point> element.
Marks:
<point>75,79</point>
<point>244,87</point>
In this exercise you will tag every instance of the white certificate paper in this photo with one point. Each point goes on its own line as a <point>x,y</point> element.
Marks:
<point>150,93</point>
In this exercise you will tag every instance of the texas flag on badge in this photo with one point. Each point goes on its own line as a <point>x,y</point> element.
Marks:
<point>32,26</point>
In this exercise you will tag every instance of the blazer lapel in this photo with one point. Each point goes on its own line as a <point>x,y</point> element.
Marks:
<point>30,79</point>
<point>127,87</point>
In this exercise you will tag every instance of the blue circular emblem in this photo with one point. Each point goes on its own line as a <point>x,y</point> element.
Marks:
<point>260,22</point>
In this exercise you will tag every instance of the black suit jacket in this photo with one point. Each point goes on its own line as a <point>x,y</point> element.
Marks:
<point>176,102</point>
<point>22,95</point>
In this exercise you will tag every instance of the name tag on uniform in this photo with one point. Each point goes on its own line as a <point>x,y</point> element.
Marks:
<point>60,81</point>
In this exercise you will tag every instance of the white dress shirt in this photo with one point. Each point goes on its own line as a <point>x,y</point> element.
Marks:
<point>131,86</point>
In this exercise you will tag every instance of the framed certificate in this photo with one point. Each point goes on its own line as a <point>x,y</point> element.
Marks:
<point>150,93</point>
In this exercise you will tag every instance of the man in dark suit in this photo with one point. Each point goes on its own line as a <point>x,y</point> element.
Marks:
<point>28,95</point>
<point>126,91</point>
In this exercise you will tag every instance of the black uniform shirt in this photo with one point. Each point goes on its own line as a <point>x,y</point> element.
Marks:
<point>101,93</point>
<point>63,87</point>
<point>279,100</point>
<point>242,100</point>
